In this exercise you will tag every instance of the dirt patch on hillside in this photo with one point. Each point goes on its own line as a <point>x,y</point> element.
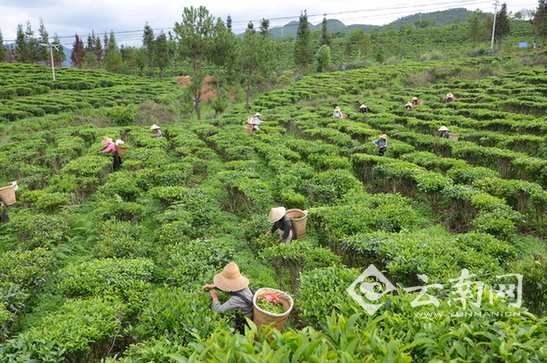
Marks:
<point>207,90</point>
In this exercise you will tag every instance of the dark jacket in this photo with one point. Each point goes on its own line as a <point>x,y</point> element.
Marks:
<point>283,224</point>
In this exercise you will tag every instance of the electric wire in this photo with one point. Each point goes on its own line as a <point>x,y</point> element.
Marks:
<point>358,15</point>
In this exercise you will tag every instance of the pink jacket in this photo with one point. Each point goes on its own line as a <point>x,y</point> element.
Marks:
<point>110,147</point>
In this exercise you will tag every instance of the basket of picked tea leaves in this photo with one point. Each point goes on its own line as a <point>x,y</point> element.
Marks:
<point>298,218</point>
<point>122,149</point>
<point>271,306</point>
<point>7,194</point>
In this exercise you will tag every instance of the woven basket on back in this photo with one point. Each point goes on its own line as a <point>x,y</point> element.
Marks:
<point>454,137</point>
<point>249,129</point>
<point>264,318</point>
<point>7,194</point>
<point>299,219</point>
<point>121,151</point>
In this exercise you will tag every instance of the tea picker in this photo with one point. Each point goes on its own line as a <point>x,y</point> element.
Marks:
<point>281,223</point>
<point>381,142</point>
<point>253,122</point>
<point>236,285</point>
<point>110,146</point>
<point>157,131</point>
<point>7,197</point>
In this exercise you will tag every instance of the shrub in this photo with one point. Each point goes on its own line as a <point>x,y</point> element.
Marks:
<point>81,330</point>
<point>122,115</point>
<point>329,187</point>
<point>176,314</point>
<point>29,269</point>
<point>290,259</point>
<point>110,278</point>
<point>323,291</point>
<point>39,230</point>
<point>195,262</point>
<point>47,202</point>
<point>124,240</point>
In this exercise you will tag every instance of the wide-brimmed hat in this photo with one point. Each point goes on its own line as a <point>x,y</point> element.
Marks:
<point>154,127</point>
<point>258,114</point>
<point>409,104</point>
<point>362,106</point>
<point>230,279</point>
<point>414,98</point>
<point>443,128</point>
<point>106,140</point>
<point>276,214</point>
<point>449,94</point>
<point>337,108</point>
<point>383,136</point>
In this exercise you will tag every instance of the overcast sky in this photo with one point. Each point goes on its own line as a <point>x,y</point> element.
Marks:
<point>127,18</point>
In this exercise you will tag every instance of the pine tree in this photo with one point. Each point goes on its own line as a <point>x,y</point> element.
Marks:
<point>78,53</point>
<point>59,55</point>
<point>195,36</point>
<point>3,50</point>
<point>325,36</point>
<point>265,28</point>
<point>148,43</point>
<point>256,55</point>
<point>539,21</point>
<point>161,59</point>
<point>90,57</point>
<point>476,26</point>
<point>229,22</point>
<point>503,25</point>
<point>44,51</point>
<point>303,55</point>
<point>27,47</point>
<point>222,56</point>
<point>112,58</point>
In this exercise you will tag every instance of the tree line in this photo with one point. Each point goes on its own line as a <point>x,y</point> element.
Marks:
<point>201,45</point>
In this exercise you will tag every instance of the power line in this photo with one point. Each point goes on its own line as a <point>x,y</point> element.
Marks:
<point>130,35</point>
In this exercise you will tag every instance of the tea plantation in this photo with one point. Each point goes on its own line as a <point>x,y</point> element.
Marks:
<point>103,266</point>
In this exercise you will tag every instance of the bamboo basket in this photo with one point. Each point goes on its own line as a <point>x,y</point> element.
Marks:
<point>249,129</point>
<point>263,318</point>
<point>121,151</point>
<point>7,194</point>
<point>454,137</point>
<point>299,220</point>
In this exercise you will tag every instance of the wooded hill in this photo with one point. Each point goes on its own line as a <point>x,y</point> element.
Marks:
<point>436,18</point>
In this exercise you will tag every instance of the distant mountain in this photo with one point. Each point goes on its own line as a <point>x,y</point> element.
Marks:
<point>437,18</point>
<point>441,18</point>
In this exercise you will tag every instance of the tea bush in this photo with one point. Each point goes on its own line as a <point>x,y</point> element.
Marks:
<point>111,278</point>
<point>123,240</point>
<point>179,315</point>
<point>38,230</point>
<point>289,260</point>
<point>47,202</point>
<point>194,262</point>
<point>323,292</point>
<point>330,186</point>
<point>81,330</point>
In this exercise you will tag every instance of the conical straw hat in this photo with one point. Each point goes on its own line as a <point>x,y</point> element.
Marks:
<point>230,279</point>
<point>276,214</point>
<point>106,140</point>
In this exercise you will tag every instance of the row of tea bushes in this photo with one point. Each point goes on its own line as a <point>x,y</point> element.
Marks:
<point>28,91</point>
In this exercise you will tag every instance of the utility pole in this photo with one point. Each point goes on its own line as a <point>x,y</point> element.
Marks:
<point>494,24</point>
<point>51,46</point>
